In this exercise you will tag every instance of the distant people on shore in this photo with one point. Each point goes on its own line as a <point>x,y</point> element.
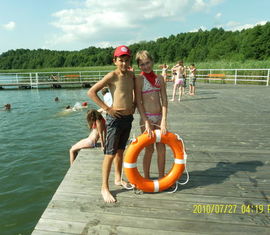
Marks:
<point>96,124</point>
<point>179,80</point>
<point>173,71</point>
<point>164,72</point>
<point>192,79</point>
<point>54,77</point>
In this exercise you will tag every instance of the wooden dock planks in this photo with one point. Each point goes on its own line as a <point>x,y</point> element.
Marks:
<point>226,133</point>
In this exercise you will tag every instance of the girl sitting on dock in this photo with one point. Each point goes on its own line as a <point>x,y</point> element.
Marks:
<point>95,122</point>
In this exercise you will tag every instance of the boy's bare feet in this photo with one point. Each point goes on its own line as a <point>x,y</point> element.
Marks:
<point>107,196</point>
<point>122,183</point>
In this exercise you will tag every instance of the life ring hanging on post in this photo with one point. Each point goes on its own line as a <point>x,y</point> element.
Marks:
<point>132,153</point>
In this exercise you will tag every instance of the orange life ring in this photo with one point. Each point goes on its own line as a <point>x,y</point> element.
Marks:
<point>130,162</point>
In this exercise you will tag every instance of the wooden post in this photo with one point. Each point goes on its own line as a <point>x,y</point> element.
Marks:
<point>268,77</point>
<point>235,77</point>
<point>17,78</point>
<point>31,79</point>
<point>37,80</point>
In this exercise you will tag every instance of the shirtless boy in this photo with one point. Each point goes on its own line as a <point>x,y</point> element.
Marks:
<point>119,116</point>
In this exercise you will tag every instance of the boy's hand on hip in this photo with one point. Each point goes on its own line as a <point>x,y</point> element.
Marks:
<point>114,112</point>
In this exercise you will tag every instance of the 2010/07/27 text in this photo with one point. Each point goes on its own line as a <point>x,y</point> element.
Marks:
<point>230,209</point>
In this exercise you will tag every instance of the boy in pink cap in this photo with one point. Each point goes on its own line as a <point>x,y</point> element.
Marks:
<point>119,116</point>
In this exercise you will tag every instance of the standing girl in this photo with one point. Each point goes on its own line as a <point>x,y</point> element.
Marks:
<point>95,122</point>
<point>165,68</point>
<point>152,105</point>
<point>179,81</point>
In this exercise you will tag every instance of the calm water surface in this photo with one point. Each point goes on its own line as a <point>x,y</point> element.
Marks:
<point>35,137</point>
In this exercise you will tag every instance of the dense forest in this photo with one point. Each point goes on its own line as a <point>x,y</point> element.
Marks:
<point>204,45</point>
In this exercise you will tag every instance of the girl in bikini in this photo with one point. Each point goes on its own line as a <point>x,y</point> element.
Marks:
<point>151,98</point>
<point>95,122</point>
<point>179,80</point>
<point>165,68</point>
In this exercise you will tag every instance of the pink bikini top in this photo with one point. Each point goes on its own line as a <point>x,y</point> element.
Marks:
<point>147,87</point>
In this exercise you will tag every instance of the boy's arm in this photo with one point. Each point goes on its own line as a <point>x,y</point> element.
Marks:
<point>92,93</point>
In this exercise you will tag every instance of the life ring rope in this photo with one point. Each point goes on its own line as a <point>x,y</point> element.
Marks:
<point>177,183</point>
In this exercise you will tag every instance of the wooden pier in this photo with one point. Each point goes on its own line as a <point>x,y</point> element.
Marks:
<point>227,137</point>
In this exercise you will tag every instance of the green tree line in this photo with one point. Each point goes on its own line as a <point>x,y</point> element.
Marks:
<point>202,46</point>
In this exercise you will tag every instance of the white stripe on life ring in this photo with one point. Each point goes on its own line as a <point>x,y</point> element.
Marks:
<point>130,165</point>
<point>156,185</point>
<point>158,136</point>
<point>179,161</point>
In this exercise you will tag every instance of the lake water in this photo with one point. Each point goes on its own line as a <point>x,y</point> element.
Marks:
<point>35,137</point>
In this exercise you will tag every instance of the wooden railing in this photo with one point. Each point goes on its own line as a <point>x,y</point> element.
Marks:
<point>83,78</point>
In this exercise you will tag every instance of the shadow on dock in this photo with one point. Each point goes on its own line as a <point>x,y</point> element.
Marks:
<point>218,174</point>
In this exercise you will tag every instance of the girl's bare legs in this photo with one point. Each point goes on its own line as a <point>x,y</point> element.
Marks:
<point>161,152</point>
<point>72,155</point>
<point>174,91</point>
<point>149,150</point>
<point>73,152</point>
<point>193,90</point>
<point>82,144</point>
<point>181,92</point>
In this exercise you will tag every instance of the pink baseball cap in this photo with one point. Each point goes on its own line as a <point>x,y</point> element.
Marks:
<point>122,50</point>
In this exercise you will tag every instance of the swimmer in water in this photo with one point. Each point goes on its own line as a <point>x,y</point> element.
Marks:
<point>7,107</point>
<point>77,106</point>
<point>84,105</point>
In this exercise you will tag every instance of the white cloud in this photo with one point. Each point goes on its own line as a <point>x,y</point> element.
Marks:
<point>233,26</point>
<point>218,15</point>
<point>9,26</point>
<point>204,5</point>
<point>109,21</point>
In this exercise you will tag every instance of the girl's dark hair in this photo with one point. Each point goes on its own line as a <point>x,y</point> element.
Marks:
<point>92,116</point>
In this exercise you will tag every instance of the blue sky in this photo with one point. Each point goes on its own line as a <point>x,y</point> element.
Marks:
<point>78,24</point>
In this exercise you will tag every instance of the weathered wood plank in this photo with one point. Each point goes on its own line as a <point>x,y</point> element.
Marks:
<point>226,133</point>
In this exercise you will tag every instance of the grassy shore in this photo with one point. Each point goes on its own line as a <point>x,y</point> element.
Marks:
<point>249,64</point>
